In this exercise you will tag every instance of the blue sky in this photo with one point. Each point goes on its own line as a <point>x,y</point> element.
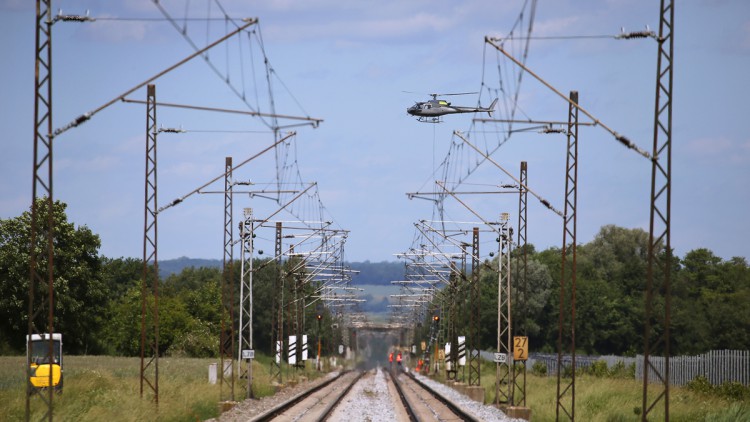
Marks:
<point>349,63</point>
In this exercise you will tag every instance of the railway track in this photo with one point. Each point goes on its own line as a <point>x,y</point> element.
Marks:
<point>315,404</point>
<point>374,395</point>
<point>422,403</point>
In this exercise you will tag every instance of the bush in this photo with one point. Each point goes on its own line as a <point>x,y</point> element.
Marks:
<point>619,370</point>
<point>700,385</point>
<point>539,368</point>
<point>733,391</point>
<point>200,342</point>
<point>598,369</point>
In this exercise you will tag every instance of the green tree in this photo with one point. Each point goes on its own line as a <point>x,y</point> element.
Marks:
<point>710,303</point>
<point>79,292</point>
<point>120,274</point>
<point>538,289</point>
<point>189,313</point>
<point>123,329</point>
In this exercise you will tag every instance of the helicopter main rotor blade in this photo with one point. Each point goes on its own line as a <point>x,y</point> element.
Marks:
<point>454,93</point>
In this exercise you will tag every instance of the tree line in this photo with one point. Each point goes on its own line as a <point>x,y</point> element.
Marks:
<point>98,299</point>
<point>709,298</point>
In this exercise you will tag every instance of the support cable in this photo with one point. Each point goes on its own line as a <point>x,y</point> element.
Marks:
<point>87,116</point>
<point>621,138</point>
<point>194,191</point>
<point>488,158</point>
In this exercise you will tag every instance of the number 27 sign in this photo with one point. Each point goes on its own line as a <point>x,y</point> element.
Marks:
<point>520,348</point>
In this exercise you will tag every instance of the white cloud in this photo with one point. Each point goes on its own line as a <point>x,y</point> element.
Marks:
<point>744,39</point>
<point>413,27</point>
<point>556,26</point>
<point>96,164</point>
<point>720,148</point>
<point>709,146</point>
<point>107,31</point>
<point>15,5</point>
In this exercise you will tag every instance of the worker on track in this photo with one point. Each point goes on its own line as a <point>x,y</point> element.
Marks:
<point>398,359</point>
<point>390,359</point>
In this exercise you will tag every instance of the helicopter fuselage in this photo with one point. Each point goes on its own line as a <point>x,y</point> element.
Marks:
<point>436,108</point>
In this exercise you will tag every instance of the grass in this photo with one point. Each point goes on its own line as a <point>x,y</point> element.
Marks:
<point>613,399</point>
<point>617,399</point>
<point>102,388</point>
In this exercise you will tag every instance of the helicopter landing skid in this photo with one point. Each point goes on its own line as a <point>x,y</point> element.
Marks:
<point>427,119</point>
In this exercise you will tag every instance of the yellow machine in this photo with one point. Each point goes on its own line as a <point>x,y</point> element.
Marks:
<point>37,354</point>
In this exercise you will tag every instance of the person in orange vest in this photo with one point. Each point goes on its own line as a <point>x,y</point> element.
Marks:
<point>398,359</point>
<point>390,359</point>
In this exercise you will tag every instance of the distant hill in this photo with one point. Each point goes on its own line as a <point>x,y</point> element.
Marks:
<point>168,267</point>
<point>376,273</point>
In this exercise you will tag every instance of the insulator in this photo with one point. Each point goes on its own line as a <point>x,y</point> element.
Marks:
<point>625,141</point>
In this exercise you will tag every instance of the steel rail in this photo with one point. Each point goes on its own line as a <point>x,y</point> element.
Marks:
<point>275,411</point>
<point>334,403</point>
<point>463,414</point>
<point>407,406</point>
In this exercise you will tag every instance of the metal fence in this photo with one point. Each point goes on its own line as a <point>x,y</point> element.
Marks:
<point>718,366</point>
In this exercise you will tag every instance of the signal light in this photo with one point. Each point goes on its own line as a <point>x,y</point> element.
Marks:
<point>319,317</point>
<point>436,318</point>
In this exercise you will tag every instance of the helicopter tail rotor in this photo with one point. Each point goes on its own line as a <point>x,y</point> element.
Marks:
<point>491,108</point>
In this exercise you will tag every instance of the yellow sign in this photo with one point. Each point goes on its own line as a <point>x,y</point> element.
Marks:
<point>520,348</point>
<point>424,346</point>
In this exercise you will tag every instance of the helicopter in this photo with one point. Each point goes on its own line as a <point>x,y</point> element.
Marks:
<point>430,111</point>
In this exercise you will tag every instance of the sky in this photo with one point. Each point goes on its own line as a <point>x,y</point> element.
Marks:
<point>349,64</point>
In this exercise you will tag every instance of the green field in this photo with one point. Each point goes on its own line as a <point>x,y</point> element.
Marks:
<point>616,399</point>
<point>101,388</point>
<point>610,400</point>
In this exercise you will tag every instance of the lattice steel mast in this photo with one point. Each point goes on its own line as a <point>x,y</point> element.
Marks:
<point>150,294</point>
<point>660,247</point>
<point>504,371</point>
<point>567,315</point>
<point>42,185</point>
<point>226,342</point>
<point>519,382</point>
<point>474,317</point>
<point>246,302</point>
<point>278,314</point>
